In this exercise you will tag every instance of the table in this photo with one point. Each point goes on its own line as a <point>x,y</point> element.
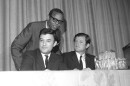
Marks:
<point>66,78</point>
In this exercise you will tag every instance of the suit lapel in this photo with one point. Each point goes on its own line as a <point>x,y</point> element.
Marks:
<point>51,61</point>
<point>39,61</point>
<point>87,60</point>
<point>75,59</point>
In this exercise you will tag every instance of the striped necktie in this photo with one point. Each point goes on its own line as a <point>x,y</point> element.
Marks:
<point>46,61</point>
<point>81,64</point>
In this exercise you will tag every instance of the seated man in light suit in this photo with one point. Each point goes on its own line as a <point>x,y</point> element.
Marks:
<point>79,59</point>
<point>42,58</point>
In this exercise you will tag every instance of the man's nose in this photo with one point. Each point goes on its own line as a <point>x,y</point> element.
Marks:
<point>77,44</point>
<point>44,43</point>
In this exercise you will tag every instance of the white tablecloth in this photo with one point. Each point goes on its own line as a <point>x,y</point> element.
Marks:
<point>65,78</point>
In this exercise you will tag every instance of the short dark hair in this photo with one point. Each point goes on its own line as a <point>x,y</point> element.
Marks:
<point>87,38</point>
<point>57,10</point>
<point>48,31</point>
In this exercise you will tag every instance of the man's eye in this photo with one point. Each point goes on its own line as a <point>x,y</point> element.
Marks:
<point>41,40</point>
<point>48,40</point>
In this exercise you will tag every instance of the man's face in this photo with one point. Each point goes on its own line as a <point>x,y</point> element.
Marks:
<point>80,44</point>
<point>56,20</point>
<point>46,43</point>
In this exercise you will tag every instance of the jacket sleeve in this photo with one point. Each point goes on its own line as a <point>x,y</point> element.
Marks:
<point>62,65</point>
<point>27,62</point>
<point>92,62</point>
<point>19,44</point>
<point>56,49</point>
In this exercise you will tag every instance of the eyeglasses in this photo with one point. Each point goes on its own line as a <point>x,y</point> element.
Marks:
<point>56,20</point>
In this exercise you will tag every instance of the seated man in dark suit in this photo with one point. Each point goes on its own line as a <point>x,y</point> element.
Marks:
<point>79,59</point>
<point>42,58</point>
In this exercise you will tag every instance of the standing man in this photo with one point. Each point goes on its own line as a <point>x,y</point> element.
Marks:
<point>28,39</point>
<point>42,58</point>
<point>79,59</point>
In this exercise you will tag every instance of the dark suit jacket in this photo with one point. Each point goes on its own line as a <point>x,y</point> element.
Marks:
<point>32,60</point>
<point>71,60</point>
<point>28,39</point>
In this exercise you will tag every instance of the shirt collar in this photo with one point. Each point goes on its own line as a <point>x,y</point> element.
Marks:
<point>78,55</point>
<point>43,55</point>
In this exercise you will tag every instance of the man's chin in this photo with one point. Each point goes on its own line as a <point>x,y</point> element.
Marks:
<point>54,28</point>
<point>45,52</point>
<point>78,50</point>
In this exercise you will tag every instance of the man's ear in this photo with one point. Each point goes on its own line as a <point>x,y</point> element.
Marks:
<point>87,46</point>
<point>55,43</point>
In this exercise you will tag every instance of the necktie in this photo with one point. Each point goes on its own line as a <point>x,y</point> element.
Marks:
<point>46,61</point>
<point>81,64</point>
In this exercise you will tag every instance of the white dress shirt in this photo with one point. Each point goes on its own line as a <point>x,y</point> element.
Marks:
<point>83,59</point>
<point>44,57</point>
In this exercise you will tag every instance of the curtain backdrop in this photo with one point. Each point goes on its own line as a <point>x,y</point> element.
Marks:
<point>106,21</point>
